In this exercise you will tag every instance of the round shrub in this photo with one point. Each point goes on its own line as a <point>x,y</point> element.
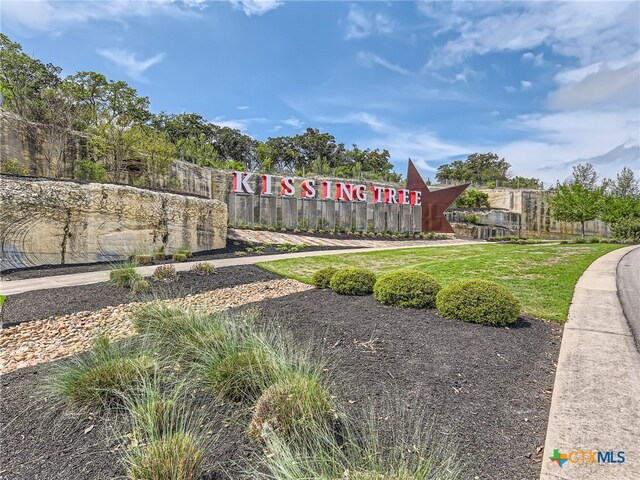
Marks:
<point>353,281</point>
<point>407,289</point>
<point>478,301</point>
<point>141,286</point>
<point>322,278</point>
<point>292,407</point>
<point>176,455</point>
<point>144,259</point>
<point>202,268</point>
<point>179,257</point>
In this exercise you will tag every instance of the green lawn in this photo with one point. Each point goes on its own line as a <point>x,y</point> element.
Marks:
<point>542,276</point>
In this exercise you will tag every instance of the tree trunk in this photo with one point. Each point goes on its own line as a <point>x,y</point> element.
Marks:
<point>582,226</point>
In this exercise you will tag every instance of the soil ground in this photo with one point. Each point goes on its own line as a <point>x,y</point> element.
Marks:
<point>489,388</point>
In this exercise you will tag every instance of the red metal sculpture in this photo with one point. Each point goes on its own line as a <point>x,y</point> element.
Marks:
<point>433,203</point>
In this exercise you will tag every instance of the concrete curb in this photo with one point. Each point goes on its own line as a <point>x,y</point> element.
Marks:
<point>596,395</point>
<point>15,287</point>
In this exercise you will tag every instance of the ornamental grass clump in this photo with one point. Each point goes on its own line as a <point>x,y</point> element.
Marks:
<point>322,278</point>
<point>165,434</point>
<point>144,259</point>
<point>407,289</point>
<point>177,332</point>
<point>392,446</point>
<point>294,407</point>
<point>353,281</point>
<point>166,273</point>
<point>99,378</point>
<point>140,286</point>
<point>478,301</point>
<point>124,275</point>
<point>238,369</point>
<point>202,268</point>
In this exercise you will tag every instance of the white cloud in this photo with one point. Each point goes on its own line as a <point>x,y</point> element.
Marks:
<point>243,107</point>
<point>127,60</point>
<point>537,60</point>
<point>556,141</point>
<point>526,84</point>
<point>256,7</point>
<point>369,59</point>
<point>597,84</point>
<point>510,89</point>
<point>52,16</point>
<point>361,24</point>
<point>588,31</point>
<point>293,122</point>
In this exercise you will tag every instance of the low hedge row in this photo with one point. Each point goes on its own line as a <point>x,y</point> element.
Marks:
<point>477,301</point>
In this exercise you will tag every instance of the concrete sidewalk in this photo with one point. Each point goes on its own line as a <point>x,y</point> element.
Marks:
<point>596,396</point>
<point>14,287</point>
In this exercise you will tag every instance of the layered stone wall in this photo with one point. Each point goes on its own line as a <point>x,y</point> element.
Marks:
<point>45,222</point>
<point>535,211</point>
<point>39,152</point>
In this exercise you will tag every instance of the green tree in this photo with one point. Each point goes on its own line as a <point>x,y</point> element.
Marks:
<point>478,168</point>
<point>472,199</point>
<point>579,200</point>
<point>23,79</point>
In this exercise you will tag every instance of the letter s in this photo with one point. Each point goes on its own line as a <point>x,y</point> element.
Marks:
<point>621,456</point>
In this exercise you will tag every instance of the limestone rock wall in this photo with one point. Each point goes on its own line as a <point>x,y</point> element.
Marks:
<point>536,221</point>
<point>46,222</point>
<point>32,145</point>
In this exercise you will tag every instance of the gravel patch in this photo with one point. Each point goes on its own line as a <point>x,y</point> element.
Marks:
<point>41,304</point>
<point>41,341</point>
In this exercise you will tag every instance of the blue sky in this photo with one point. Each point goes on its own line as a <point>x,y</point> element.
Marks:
<point>544,84</point>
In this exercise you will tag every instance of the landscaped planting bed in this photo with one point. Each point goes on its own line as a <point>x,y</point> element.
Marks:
<point>485,388</point>
<point>39,304</point>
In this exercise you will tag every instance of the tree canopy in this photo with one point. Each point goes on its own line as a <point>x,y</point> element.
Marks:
<point>132,144</point>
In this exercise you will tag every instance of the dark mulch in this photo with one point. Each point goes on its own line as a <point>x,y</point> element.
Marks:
<point>40,304</point>
<point>229,251</point>
<point>488,387</point>
<point>41,439</point>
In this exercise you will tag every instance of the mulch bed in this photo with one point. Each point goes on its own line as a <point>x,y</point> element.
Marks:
<point>40,304</point>
<point>489,388</point>
<point>227,252</point>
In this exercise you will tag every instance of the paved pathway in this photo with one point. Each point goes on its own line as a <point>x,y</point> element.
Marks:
<point>14,287</point>
<point>628,280</point>
<point>596,396</point>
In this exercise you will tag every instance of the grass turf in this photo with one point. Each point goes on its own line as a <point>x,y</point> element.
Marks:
<point>542,276</point>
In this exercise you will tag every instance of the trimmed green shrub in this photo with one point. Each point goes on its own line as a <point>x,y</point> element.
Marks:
<point>322,278</point>
<point>100,377</point>
<point>166,273</point>
<point>407,289</point>
<point>185,251</point>
<point>179,257</point>
<point>124,275</point>
<point>293,407</point>
<point>478,301</point>
<point>141,286</point>
<point>353,281</point>
<point>202,268</point>
<point>144,259</point>
<point>13,167</point>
